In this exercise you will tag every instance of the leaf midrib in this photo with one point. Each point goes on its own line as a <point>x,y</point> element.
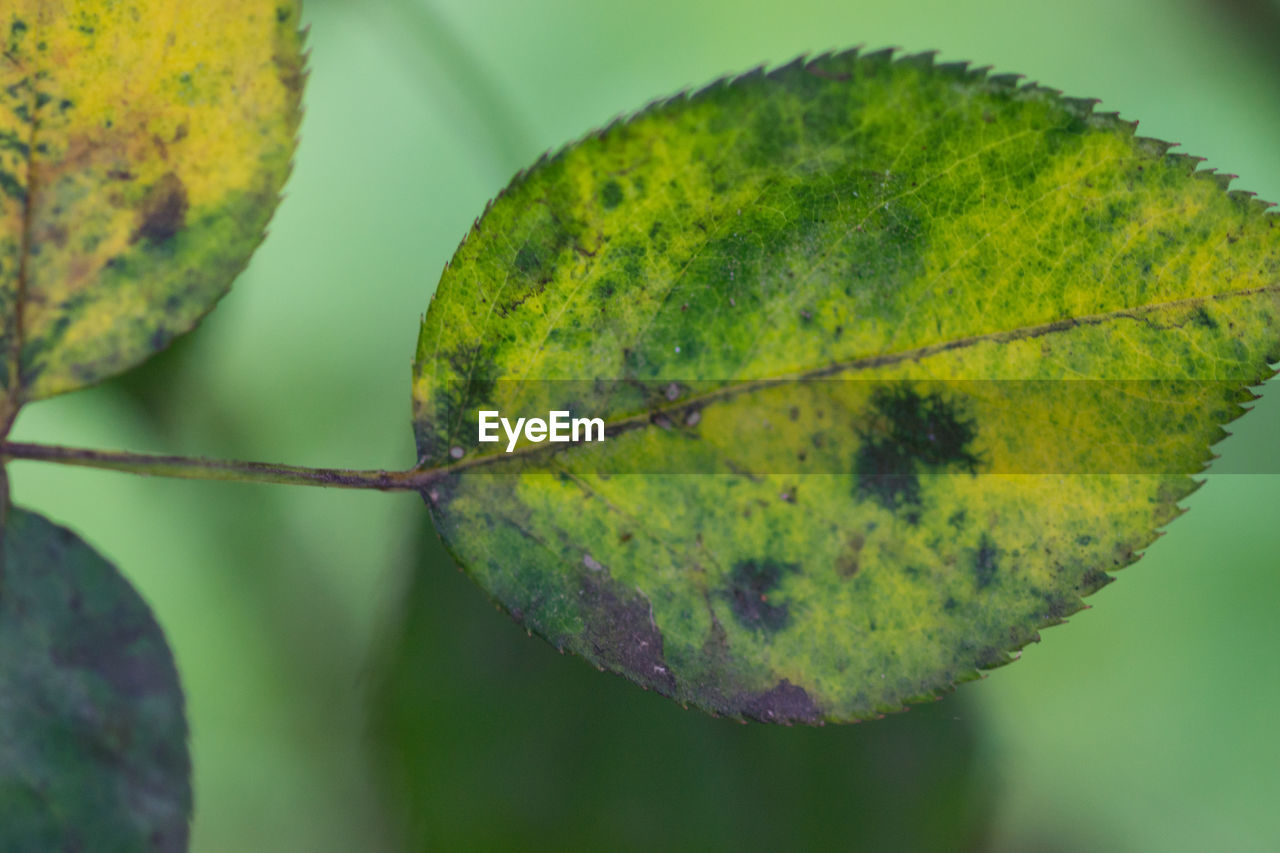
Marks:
<point>731,389</point>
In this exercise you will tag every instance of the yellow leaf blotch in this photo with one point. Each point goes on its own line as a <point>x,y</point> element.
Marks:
<point>143,146</point>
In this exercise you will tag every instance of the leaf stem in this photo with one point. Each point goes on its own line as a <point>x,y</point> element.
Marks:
<point>188,468</point>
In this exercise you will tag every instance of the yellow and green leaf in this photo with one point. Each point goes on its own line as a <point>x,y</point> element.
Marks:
<point>143,146</point>
<point>837,318</point>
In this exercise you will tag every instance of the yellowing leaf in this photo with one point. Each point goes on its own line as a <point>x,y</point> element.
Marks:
<point>834,318</point>
<point>143,145</point>
<point>93,739</point>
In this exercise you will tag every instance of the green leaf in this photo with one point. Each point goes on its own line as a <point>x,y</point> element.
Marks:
<point>825,312</point>
<point>93,740</point>
<point>143,146</point>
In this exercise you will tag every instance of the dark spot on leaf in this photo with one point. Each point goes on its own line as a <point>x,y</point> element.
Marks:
<point>784,703</point>
<point>611,195</point>
<point>620,632</point>
<point>292,75</point>
<point>750,583</point>
<point>888,474</point>
<point>910,433</point>
<point>1203,319</point>
<point>163,212</point>
<point>10,141</point>
<point>985,562</point>
<point>1094,580</point>
<point>527,260</point>
<point>848,563</point>
<point>12,187</point>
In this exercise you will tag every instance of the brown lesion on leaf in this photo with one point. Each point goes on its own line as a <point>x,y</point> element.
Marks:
<point>619,632</point>
<point>1092,581</point>
<point>784,703</point>
<point>849,560</point>
<point>750,584</point>
<point>290,68</point>
<point>163,212</point>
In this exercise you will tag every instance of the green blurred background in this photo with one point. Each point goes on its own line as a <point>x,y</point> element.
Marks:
<point>348,689</point>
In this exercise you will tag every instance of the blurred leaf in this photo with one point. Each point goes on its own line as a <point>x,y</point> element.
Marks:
<point>689,276</point>
<point>93,740</point>
<point>1255,22</point>
<point>142,150</point>
<point>440,59</point>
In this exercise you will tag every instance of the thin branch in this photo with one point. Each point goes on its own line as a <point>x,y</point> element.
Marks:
<point>187,468</point>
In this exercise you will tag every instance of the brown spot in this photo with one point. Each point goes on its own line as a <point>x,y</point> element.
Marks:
<point>620,632</point>
<point>848,563</point>
<point>784,703</point>
<point>163,212</point>
<point>291,73</point>
<point>58,234</point>
<point>1093,580</point>
<point>747,592</point>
